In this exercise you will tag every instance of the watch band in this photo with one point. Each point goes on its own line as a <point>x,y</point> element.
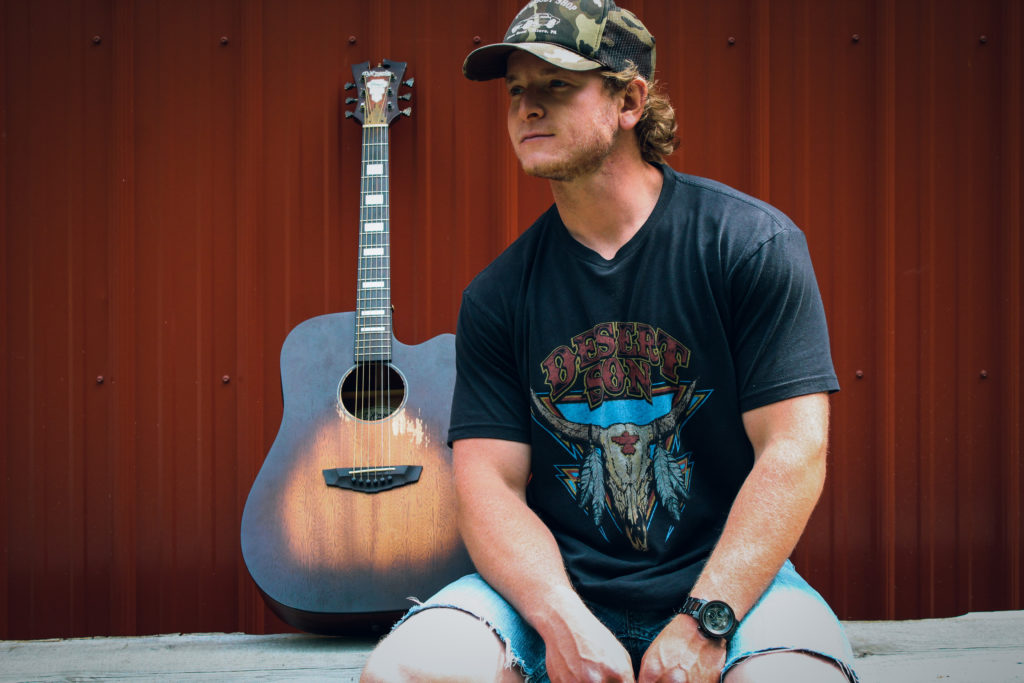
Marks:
<point>691,606</point>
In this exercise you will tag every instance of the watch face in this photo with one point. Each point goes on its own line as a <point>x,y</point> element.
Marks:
<point>717,618</point>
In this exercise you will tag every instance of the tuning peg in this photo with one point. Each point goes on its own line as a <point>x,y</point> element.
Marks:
<point>409,82</point>
<point>406,96</point>
<point>349,115</point>
<point>407,111</point>
<point>349,86</point>
<point>350,100</point>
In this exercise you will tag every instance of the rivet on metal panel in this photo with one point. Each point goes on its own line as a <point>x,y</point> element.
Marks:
<point>983,374</point>
<point>351,40</point>
<point>100,379</point>
<point>96,40</point>
<point>477,40</point>
<point>983,39</point>
<point>226,379</point>
<point>859,374</point>
<point>224,40</point>
<point>855,37</point>
<point>731,41</point>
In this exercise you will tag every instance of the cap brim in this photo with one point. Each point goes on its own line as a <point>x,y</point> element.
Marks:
<point>489,61</point>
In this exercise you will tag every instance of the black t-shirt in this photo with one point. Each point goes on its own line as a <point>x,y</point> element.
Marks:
<point>628,377</point>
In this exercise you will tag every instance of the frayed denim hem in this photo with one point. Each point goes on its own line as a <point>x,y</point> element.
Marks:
<point>843,666</point>
<point>511,659</point>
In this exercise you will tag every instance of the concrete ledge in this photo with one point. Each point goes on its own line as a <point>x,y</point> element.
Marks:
<point>975,648</point>
<point>186,657</point>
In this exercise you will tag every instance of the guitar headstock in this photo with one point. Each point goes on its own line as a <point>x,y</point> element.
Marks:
<point>377,93</point>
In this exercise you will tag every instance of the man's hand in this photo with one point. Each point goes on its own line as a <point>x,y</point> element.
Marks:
<point>582,650</point>
<point>680,654</point>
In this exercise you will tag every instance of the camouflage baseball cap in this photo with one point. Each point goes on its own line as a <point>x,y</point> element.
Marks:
<point>578,35</point>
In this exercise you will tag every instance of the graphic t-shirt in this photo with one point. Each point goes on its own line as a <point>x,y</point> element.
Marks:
<point>628,377</point>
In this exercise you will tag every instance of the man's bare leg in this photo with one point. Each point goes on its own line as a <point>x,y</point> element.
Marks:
<point>786,667</point>
<point>440,644</point>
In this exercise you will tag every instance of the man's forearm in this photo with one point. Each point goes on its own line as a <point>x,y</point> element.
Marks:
<point>510,546</point>
<point>772,508</point>
<point>517,554</point>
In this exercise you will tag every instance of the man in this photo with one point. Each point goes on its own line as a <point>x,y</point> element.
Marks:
<point>641,414</point>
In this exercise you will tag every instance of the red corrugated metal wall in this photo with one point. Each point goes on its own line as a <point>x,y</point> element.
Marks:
<point>179,189</point>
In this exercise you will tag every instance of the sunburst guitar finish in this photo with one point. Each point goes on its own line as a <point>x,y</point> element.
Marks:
<point>352,513</point>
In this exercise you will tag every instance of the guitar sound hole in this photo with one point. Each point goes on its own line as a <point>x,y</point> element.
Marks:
<point>372,391</point>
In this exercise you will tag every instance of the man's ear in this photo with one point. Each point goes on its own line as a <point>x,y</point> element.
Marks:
<point>634,97</point>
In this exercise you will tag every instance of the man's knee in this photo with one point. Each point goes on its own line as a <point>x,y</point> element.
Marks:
<point>439,644</point>
<point>786,667</point>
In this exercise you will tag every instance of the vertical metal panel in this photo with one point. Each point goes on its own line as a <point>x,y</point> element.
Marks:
<point>949,314</point>
<point>119,391</point>
<point>1012,208</point>
<point>179,189</point>
<point>6,439</point>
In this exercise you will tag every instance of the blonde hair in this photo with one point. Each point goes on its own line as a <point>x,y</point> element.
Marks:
<point>656,130</point>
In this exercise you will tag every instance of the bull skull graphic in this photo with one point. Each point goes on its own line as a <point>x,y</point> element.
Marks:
<point>635,457</point>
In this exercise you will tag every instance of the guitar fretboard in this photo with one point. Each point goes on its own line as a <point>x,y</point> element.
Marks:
<point>373,300</point>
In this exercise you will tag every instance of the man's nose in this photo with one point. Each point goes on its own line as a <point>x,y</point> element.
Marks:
<point>530,106</point>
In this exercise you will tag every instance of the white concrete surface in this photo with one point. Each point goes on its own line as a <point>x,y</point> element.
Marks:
<point>975,648</point>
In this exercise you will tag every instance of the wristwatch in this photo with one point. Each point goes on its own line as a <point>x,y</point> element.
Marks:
<point>715,619</point>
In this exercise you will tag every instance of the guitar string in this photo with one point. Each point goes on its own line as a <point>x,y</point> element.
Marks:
<point>365,367</point>
<point>369,445</point>
<point>384,251</point>
<point>357,357</point>
<point>374,390</point>
<point>361,354</point>
<point>377,377</point>
<point>385,264</point>
<point>372,369</point>
<point>378,362</point>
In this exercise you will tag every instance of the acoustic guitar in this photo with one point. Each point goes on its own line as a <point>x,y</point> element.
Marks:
<point>352,512</point>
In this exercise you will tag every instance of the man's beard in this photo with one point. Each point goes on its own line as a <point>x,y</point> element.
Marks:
<point>582,162</point>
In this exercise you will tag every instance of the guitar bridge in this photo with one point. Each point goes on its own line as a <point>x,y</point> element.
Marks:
<point>372,479</point>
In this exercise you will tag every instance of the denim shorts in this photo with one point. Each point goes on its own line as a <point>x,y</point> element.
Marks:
<point>790,617</point>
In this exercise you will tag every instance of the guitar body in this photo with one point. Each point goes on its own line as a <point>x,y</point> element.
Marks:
<point>328,559</point>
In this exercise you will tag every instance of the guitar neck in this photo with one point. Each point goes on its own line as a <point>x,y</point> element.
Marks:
<point>373,300</point>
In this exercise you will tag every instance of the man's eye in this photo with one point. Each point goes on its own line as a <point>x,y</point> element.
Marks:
<point>515,90</point>
<point>558,84</point>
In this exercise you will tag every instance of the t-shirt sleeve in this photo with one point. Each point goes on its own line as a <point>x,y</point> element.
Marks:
<point>488,400</point>
<point>781,345</point>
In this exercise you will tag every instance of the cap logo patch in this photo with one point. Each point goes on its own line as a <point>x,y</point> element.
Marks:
<point>538,23</point>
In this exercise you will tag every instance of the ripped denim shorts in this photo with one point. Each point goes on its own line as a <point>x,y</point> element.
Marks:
<point>790,617</point>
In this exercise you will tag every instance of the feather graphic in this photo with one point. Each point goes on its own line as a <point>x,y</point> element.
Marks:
<point>591,485</point>
<point>669,482</point>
